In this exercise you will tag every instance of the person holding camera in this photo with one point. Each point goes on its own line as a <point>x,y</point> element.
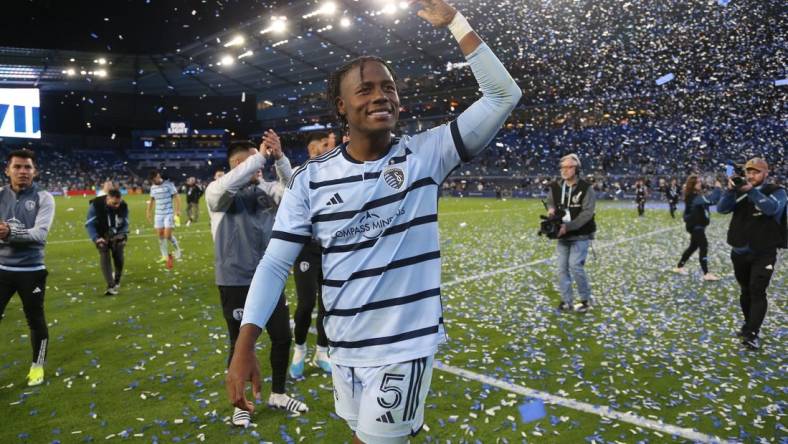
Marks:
<point>574,200</point>
<point>757,229</point>
<point>697,218</point>
<point>107,225</point>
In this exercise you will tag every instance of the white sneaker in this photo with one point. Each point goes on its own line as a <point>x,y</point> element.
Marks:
<point>681,270</point>
<point>177,254</point>
<point>710,277</point>
<point>282,401</point>
<point>241,418</point>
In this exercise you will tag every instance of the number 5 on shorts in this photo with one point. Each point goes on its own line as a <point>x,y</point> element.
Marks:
<point>385,388</point>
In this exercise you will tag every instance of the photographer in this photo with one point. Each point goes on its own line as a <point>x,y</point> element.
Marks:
<point>108,227</point>
<point>573,199</point>
<point>697,218</point>
<point>757,230</point>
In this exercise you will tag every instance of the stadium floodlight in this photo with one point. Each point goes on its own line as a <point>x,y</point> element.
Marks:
<point>278,25</point>
<point>246,54</point>
<point>389,9</point>
<point>344,22</point>
<point>101,61</point>
<point>328,8</point>
<point>403,5</point>
<point>100,73</point>
<point>235,41</point>
<point>227,60</point>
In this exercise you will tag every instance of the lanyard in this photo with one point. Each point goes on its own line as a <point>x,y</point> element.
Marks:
<point>563,194</point>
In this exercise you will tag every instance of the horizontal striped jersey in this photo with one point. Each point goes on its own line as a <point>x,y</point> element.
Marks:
<point>162,194</point>
<point>377,224</point>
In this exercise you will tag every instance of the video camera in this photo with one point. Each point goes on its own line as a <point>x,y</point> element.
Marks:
<point>551,225</point>
<point>735,172</point>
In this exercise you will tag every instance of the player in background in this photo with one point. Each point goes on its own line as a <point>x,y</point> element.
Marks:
<point>307,276</point>
<point>372,204</point>
<point>164,196</point>
<point>242,206</point>
<point>641,193</point>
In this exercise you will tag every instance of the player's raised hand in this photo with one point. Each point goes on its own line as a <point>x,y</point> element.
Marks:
<point>272,145</point>
<point>437,12</point>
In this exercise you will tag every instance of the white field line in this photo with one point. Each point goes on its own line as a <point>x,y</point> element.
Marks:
<point>541,261</point>
<point>585,407</point>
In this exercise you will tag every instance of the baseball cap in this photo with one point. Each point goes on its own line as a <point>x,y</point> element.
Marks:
<point>758,164</point>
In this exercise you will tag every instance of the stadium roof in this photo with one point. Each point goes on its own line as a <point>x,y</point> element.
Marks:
<point>146,47</point>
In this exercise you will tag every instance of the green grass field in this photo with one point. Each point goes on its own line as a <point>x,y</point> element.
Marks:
<point>148,364</point>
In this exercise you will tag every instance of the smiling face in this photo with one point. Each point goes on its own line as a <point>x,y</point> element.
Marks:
<point>368,98</point>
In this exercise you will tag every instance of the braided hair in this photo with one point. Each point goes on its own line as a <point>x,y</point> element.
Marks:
<point>335,80</point>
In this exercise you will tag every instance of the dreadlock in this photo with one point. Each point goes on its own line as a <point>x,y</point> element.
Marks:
<point>335,80</point>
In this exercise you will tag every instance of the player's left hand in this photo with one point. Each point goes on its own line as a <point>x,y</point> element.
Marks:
<point>272,145</point>
<point>437,12</point>
<point>562,230</point>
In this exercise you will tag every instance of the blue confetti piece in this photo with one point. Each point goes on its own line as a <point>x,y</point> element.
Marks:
<point>665,79</point>
<point>532,411</point>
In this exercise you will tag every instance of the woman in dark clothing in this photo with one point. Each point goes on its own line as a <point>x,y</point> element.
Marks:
<point>697,218</point>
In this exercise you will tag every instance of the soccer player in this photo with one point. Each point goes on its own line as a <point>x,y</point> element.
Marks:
<point>307,276</point>
<point>108,227</point>
<point>242,208</point>
<point>372,204</point>
<point>26,213</point>
<point>164,196</point>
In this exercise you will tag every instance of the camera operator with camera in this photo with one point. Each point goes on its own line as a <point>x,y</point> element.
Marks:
<point>758,228</point>
<point>572,200</point>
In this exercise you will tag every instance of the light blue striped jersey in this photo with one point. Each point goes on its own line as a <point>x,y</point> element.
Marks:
<point>377,224</point>
<point>162,194</point>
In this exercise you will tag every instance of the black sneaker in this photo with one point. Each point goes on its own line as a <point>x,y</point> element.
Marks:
<point>584,307</point>
<point>111,291</point>
<point>751,341</point>
<point>563,306</point>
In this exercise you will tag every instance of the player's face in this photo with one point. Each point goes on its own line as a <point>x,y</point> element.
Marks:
<point>113,202</point>
<point>21,172</point>
<point>317,147</point>
<point>158,180</point>
<point>370,104</point>
<point>755,177</point>
<point>332,141</point>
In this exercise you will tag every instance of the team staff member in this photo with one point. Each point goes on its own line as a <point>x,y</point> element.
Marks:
<point>758,228</point>
<point>575,198</point>
<point>242,207</point>
<point>26,214</point>
<point>673,194</point>
<point>307,274</point>
<point>108,227</point>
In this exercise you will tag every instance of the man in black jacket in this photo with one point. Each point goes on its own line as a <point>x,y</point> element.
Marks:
<point>108,227</point>
<point>574,199</point>
<point>193,192</point>
<point>758,228</point>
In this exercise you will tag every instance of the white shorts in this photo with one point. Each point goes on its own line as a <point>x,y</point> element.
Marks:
<point>383,404</point>
<point>163,221</point>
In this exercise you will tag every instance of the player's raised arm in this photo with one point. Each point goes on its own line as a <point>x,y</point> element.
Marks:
<point>477,125</point>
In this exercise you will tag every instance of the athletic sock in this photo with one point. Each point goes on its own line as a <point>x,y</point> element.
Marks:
<point>322,353</point>
<point>300,352</point>
<point>174,242</point>
<point>163,247</point>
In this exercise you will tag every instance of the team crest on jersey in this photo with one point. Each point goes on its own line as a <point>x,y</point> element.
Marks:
<point>394,177</point>
<point>303,266</point>
<point>238,314</point>
<point>30,205</point>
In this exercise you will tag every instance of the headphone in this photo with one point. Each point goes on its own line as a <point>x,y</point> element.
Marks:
<point>579,165</point>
